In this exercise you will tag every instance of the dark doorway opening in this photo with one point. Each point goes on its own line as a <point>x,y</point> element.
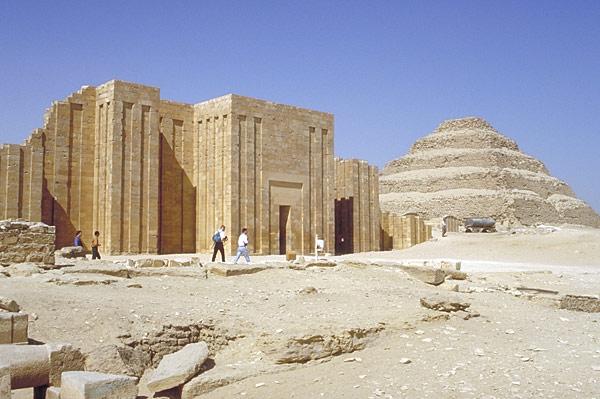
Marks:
<point>284,220</point>
<point>344,226</point>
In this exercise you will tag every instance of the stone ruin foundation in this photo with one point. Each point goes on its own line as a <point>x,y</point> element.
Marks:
<point>22,241</point>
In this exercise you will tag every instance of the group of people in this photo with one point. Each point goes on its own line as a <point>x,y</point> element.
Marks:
<point>95,243</point>
<point>219,239</point>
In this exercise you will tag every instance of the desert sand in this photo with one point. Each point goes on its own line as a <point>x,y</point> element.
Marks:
<point>354,329</point>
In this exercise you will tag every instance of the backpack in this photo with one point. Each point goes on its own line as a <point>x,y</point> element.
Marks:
<point>217,237</point>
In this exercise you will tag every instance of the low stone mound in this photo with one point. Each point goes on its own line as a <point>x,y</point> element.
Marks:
<point>466,168</point>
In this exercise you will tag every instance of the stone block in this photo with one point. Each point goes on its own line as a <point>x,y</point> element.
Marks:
<point>20,325</point>
<point>179,367</point>
<point>290,255</point>
<point>71,252</point>
<point>91,385</point>
<point>53,393</point>
<point>4,381</point>
<point>225,270</point>
<point>427,275</point>
<point>5,328</point>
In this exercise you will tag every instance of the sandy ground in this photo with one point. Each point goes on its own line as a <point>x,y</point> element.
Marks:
<point>521,346</point>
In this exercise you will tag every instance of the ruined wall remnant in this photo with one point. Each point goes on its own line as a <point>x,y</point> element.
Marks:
<point>357,224</point>
<point>26,242</point>
<point>403,231</point>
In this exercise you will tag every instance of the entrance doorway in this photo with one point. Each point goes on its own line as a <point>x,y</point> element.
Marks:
<point>284,221</point>
<point>344,228</point>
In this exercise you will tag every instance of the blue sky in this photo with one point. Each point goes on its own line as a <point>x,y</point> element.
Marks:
<point>389,71</point>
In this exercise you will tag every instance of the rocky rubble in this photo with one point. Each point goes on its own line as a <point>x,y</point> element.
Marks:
<point>22,242</point>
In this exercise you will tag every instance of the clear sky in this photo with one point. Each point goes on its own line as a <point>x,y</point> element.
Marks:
<point>389,71</point>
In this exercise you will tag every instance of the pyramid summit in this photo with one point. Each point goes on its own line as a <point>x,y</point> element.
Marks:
<point>467,168</point>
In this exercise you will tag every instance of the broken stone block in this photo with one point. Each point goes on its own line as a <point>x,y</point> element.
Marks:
<point>9,304</point>
<point>53,393</point>
<point>456,275</point>
<point>5,328</point>
<point>4,381</point>
<point>427,275</point>
<point>92,385</point>
<point>63,357</point>
<point>179,367</point>
<point>444,303</point>
<point>113,359</point>
<point>221,269</point>
<point>580,303</point>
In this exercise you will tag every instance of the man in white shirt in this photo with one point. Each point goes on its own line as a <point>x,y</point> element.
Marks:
<point>243,246</point>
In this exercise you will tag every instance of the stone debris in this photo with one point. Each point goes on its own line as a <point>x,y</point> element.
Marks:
<point>405,360</point>
<point>444,303</point>
<point>9,305</point>
<point>228,270</point>
<point>308,291</point>
<point>580,303</point>
<point>179,367</point>
<point>92,385</point>
<point>428,275</point>
<point>318,346</point>
<point>70,252</point>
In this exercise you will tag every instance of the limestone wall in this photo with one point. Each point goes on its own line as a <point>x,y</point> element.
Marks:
<point>26,242</point>
<point>282,161</point>
<point>160,176</point>
<point>357,183</point>
<point>403,231</point>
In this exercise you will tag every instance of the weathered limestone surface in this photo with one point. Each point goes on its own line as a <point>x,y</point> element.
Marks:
<point>179,367</point>
<point>156,176</point>
<point>357,224</point>
<point>39,365</point>
<point>466,168</point>
<point>403,231</point>
<point>13,328</point>
<point>26,242</point>
<point>5,386</point>
<point>91,385</point>
<point>580,303</point>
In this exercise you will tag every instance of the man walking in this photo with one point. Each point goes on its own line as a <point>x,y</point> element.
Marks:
<point>243,247</point>
<point>219,239</point>
<point>96,245</point>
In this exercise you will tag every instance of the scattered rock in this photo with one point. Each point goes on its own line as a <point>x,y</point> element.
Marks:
<point>179,367</point>
<point>427,275</point>
<point>134,285</point>
<point>308,291</point>
<point>580,303</point>
<point>405,360</point>
<point>9,304</point>
<point>444,303</point>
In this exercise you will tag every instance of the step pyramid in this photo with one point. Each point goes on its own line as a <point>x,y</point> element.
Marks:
<point>466,168</point>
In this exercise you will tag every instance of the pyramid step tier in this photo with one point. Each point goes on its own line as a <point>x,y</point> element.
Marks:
<point>431,180</point>
<point>453,157</point>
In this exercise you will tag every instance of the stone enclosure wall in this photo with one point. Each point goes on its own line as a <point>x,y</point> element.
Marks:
<point>157,176</point>
<point>26,242</point>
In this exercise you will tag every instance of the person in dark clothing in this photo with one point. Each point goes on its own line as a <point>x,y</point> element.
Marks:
<point>219,239</point>
<point>77,240</point>
<point>95,245</point>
